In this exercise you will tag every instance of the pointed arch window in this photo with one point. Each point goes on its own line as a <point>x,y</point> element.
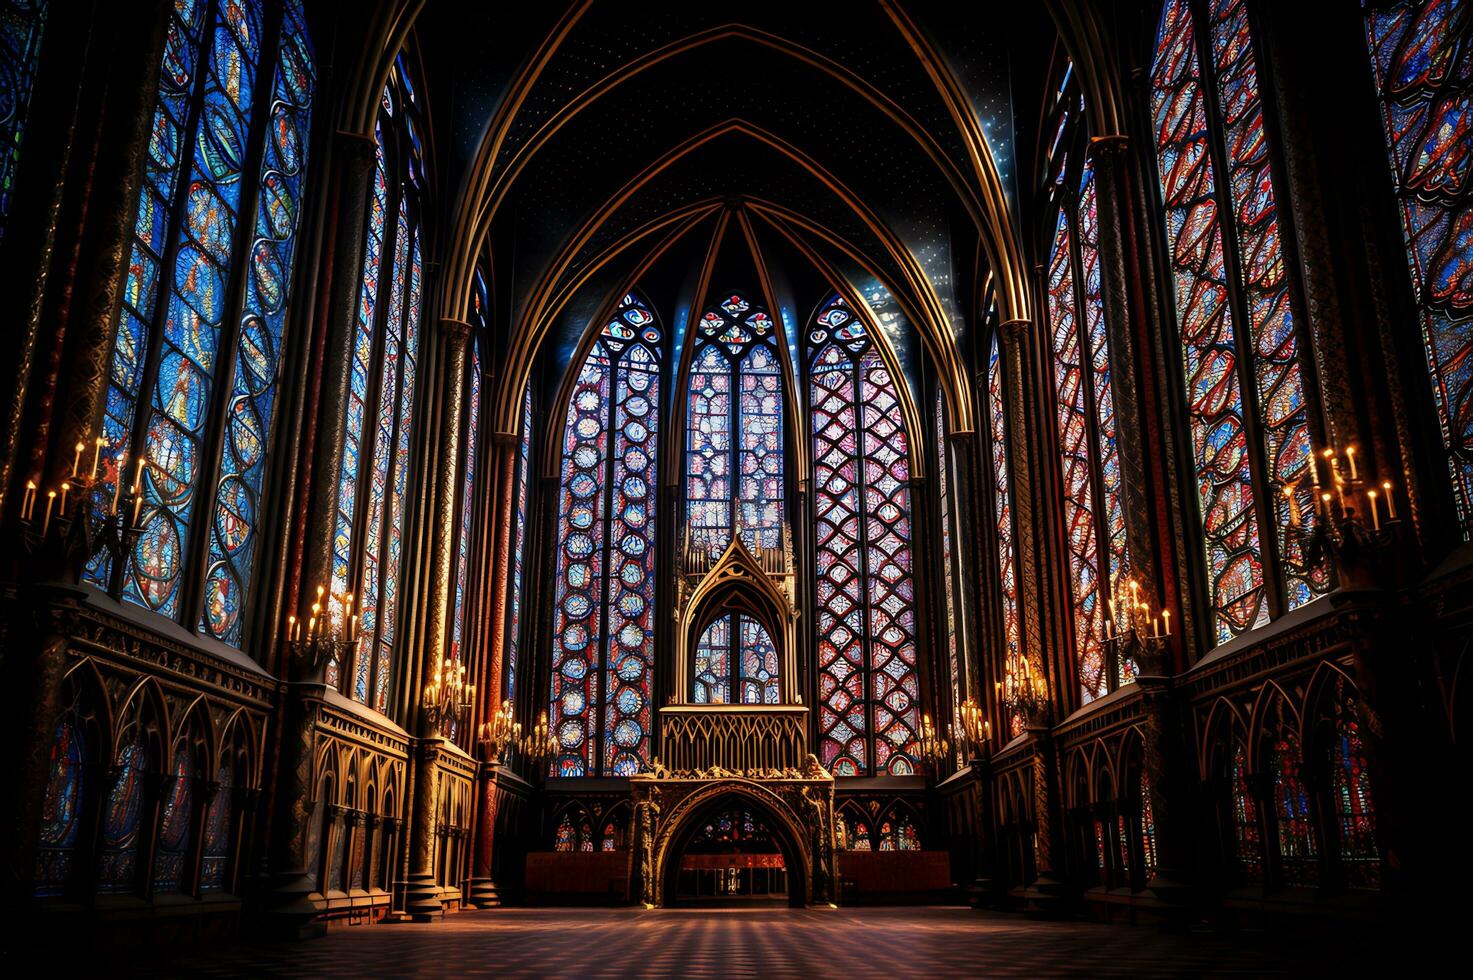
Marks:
<point>1014,666</point>
<point>373,478</point>
<point>1094,506</point>
<point>1422,61</point>
<point>1246,400</point>
<point>193,371</point>
<point>868,685</point>
<point>519,544</point>
<point>22,24</point>
<point>734,430</point>
<point>736,663</point>
<point>950,570</point>
<point>604,597</point>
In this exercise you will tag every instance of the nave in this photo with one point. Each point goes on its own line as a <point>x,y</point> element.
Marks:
<point>461,461</point>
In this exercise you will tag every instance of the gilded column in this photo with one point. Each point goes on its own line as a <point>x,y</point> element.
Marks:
<point>422,894</point>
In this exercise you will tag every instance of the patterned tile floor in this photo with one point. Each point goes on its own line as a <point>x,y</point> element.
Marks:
<point>767,942</point>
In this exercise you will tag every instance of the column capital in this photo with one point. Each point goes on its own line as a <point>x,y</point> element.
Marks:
<point>1111,143</point>
<point>1014,330</point>
<point>453,329</point>
<point>357,147</point>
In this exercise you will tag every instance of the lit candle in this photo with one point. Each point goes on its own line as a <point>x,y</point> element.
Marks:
<point>1294,515</point>
<point>138,474</point>
<point>1390,501</point>
<point>50,500</point>
<point>353,628</point>
<point>118,487</point>
<point>1325,500</point>
<point>66,488</point>
<point>97,445</point>
<point>1314,470</point>
<point>77,459</point>
<point>137,508</point>
<point>1350,455</point>
<point>1375,514</point>
<point>1166,618</point>
<point>291,626</point>
<point>311,626</point>
<point>28,502</point>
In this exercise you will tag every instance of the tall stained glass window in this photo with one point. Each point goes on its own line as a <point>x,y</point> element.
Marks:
<point>22,23</point>
<point>734,430</point>
<point>1007,553</point>
<point>603,613</point>
<point>1244,391</point>
<point>519,544</point>
<point>175,825</point>
<point>122,813</point>
<point>1422,60</point>
<point>373,477</point>
<point>1094,508</point>
<point>950,589</point>
<point>868,686</point>
<point>198,339</point>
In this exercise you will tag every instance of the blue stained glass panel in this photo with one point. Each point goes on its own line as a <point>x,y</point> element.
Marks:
<point>22,24</point>
<point>250,411</point>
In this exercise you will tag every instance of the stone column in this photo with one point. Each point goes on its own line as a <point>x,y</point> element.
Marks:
<point>504,461</point>
<point>483,893</point>
<point>422,892</point>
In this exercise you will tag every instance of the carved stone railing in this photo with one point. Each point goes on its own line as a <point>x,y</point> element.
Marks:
<point>736,738</point>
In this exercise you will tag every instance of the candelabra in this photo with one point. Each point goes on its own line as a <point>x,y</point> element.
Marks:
<point>331,633</point>
<point>1025,692</point>
<point>540,744</point>
<point>1348,524</point>
<point>500,735</point>
<point>1132,634</point>
<point>448,697</point>
<point>82,518</point>
<point>970,729</point>
<point>933,746</point>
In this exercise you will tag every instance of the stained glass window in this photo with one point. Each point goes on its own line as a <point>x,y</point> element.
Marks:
<point>603,615</point>
<point>734,430</point>
<point>175,824</point>
<point>1094,507</point>
<point>118,870</point>
<point>736,663</point>
<point>868,686</point>
<point>373,476</point>
<point>217,831</point>
<point>1239,347</point>
<point>22,23</point>
<point>519,543</point>
<point>1350,790</point>
<point>203,315</point>
<point>1298,854</point>
<point>566,838</point>
<point>899,834</point>
<point>1422,59</point>
<point>1003,526</point>
<point>1247,843</point>
<point>854,832</point>
<point>60,811</point>
<point>1148,829</point>
<point>956,669</point>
